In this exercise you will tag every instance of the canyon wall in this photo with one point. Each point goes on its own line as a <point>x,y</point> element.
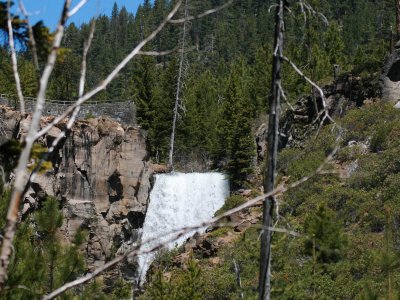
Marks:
<point>101,177</point>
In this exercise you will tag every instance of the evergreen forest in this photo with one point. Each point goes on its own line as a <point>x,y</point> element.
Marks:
<point>348,245</point>
<point>226,71</point>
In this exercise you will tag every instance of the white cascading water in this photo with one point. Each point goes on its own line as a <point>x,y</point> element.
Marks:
<point>178,201</point>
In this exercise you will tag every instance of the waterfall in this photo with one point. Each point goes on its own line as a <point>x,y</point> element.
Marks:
<point>177,201</point>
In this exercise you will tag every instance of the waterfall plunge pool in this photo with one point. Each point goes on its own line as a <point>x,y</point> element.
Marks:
<point>179,200</point>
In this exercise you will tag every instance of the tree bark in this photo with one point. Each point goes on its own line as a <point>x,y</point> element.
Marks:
<point>397,5</point>
<point>273,138</point>
<point>20,173</point>
<point>178,91</point>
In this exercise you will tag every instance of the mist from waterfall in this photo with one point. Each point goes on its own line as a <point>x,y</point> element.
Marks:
<point>177,201</point>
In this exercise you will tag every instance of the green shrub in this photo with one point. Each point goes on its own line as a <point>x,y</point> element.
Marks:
<point>324,239</point>
<point>231,202</point>
<point>183,285</point>
<point>89,115</point>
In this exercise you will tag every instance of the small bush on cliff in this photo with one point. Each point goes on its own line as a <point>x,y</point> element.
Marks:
<point>325,240</point>
<point>184,285</point>
<point>231,202</point>
<point>42,262</point>
<point>89,115</point>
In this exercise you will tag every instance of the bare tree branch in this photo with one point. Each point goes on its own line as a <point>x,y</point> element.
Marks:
<point>82,98</point>
<point>166,52</point>
<point>178,90</point>
<point>325,111</point>
<point>214,221</point>
<point>206,13</point>
<point>20,179</point>
<point>238,279</point>
<point>87,45</point>
<point>136,251</point>
<point>76,8</point>
<point>305,8</point>
<point>264,286</point>
<point>14,59</point>
<point>71,121</point>
<point>122,64</point>
<point>285,97</point>
<point>20,175</point>
<point>31,36</point>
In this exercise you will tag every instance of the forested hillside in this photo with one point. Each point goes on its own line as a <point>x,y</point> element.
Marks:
<point>340,235</point>
<point>227,61</point>
<point>335,233</point>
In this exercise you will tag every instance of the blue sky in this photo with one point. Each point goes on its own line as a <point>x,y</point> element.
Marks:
<point>49,10</point>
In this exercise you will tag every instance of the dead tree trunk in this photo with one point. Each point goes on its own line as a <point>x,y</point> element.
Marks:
<point>178,90</point>
<point>397,5</point>
<point>273,136</point>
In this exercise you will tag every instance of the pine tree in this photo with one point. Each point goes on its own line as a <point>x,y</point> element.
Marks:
<point>334,44</point>
<point>235,136</point>
<point>260,80</point>
<point>142,85</point>
<point>186,286</point>
<point>389,258</point>
<point>161,112</point>
<point>197,130</point>
<point>41,261</point>
<point>325,239</point>
<point>324,244</point>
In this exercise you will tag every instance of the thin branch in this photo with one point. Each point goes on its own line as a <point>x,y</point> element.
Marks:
<point>76,8</point>
<point>238,279</point>
<point>87,45</point>
<point>325,111</point>
<point>114,73</point>
<point>133,252</point>
<point>71,121</point>
<point>284,97</point>
<point>20,178</point>
<point>178,91</point>
<point>303,12</point>
<point>31,35</point>
<point>278,190</point>
<point>307,8</point>
<point>272,139</point>
<point>260,226</point>
<point>271,7</point>
<point>166,52</point>
<point>2,127</point>
<point>206,13</point>
<point>180,232</point>
<point>2,176</point>
<point>14,59</point>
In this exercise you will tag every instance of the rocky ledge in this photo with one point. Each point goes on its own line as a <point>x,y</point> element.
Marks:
<point>100,175</point>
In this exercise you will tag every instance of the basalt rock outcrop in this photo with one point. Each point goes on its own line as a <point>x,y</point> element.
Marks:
<point>347,92</point>
<point>298,124</point>
<point>100,175</point>
<point>390,78</point>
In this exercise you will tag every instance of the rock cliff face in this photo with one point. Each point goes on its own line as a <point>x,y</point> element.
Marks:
<point>390,78</point>
<point>101,177</point>
<point>347,92</point>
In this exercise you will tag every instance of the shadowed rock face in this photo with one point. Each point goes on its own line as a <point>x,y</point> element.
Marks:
<point>101,176</point>
<point>104,179</point>
<point>391,77</point>
<point>394,72</point>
